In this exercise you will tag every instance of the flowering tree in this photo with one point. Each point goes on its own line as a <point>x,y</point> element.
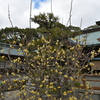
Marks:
<point>53,69</point>
<point>54,72</point>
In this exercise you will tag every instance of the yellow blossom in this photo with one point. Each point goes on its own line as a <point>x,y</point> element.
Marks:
<point>0,75</point>
<point>3,57</point>
<point>43,38</point>
<point>2,51</point>
<point>20,45</point>
<point>78,46</point>
<point>25,50</point>
<point>71,78</point>
<point>39,98</point>
<point>43,81</point>
<point>83,39</point>
<point>64,93</point>
<point>70,91</point>
<point>74,39</point>
<point>3,82</point>
<point>24,93</point>
<point>72,98</point>
<point>73,58</point>
<point>11,46</point>
<point>29,44</point>
<point>91,64</point>
<point>51,83</point>
<point>56,70</point>
<point>18,58</point>
<point>99,50</point>
<point>48,95</point>
<point>32,91</point>
<point>19,49</point>
<point>50,87</point>
<point>92,56</point>
<point>14,42</point>
<point>13,73</point>
<point>72,48</point>
<point>41,85</point>
<point>33,84</point>
<point>60,72</point>
<point>3,34</point>
<point>59,87</point>
<point>56,43</point>
<point>65,76</point>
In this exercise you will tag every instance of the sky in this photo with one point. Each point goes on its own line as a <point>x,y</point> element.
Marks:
<point>85,11</point>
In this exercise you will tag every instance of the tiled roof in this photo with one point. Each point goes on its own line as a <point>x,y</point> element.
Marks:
<point>5,49</point>
<point>96,59</point>
<point>92,38</point>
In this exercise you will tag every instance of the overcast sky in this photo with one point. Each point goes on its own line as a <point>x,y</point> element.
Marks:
<point>87,10</point>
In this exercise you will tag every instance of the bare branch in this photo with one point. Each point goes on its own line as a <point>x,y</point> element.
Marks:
<point>69,20</point>
<point>10,19</point>
<point>30,13</point>
<point>81,23</point>
<point>51,6</point>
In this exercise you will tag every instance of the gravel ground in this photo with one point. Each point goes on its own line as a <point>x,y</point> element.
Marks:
<point>12,95</point>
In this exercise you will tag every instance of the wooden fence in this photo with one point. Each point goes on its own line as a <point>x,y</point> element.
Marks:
<point>92,80</point>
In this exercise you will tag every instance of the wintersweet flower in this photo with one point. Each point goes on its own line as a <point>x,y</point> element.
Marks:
<point>71,78</point>
<point>60,73</point>
<point>14,42</point>
<point>72,98</point>
<point>73,58</point>
<point>3,57</point>
<point>20,45</point>
<point>50,87</point>
<point>78,46</point>
<point>48,95</point>
<point>91,64</point>
<point>41,85</point>
<point>11,46</point>
<point>3,82</point>
<point>72,48</point>
<point>83,39</point>
<point>39,98</point>
<point>0,75</point>
<point>64,93</point>
<point>51,83</point>
<point>2,51</point>
<point>59,87</point>
<point>65,76</point>
<point>99,50</point>
<point>74,39</point>
<point>25,50</point>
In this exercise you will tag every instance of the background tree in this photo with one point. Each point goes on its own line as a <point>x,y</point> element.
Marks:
<point>46,21</point>
<point>92,27</point>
